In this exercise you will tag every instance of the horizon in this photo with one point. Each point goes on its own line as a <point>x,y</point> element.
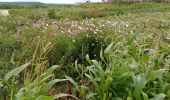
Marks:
<point>51,1</point>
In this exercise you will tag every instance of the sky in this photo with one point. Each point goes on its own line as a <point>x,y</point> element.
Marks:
<point>50,1</point>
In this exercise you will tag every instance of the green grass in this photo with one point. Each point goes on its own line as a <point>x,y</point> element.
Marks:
<point>135,66</point>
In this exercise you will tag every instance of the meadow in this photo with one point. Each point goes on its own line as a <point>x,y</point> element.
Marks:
<point>85,52</point>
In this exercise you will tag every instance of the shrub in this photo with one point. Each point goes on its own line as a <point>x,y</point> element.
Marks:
<point>62,50</point>
<point>51,14</point>
<point>91,13</point>
<point>67,49</point>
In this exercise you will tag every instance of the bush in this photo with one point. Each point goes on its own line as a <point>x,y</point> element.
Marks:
<point>68,49</point>
<point>91,13</point>
<point>51,14</point>
<point>62,50</point>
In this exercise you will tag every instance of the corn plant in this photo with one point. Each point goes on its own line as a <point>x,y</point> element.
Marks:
<point>122,73</point>
<point>35,89</point>
<point>34,78</point>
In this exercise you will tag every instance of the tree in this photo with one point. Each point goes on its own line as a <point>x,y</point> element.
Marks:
<point>88,1</point>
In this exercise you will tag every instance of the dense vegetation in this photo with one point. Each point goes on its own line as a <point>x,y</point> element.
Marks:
<point>97,51</point>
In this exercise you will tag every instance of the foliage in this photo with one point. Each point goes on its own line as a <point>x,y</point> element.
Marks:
<point>51,14</point>
<point>121,75</point>
<point>135,66</point>
<point>35,78</point>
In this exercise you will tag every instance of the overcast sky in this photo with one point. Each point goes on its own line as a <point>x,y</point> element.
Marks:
<point>51,1</point>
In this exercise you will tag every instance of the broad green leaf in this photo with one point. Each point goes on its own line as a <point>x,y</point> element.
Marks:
<point>99,68</point>
<point>145,96</point>
<point>141,80</point>
<point>44,79</point>
<point>71,80</point>
<point>90,96</point>
<point>16,71</point>
<point>159,97</point>
<point>101,54</point>
<point>159,73</point>
<point>88,59</point>
<point>88,76</point>
<point>107,83</point>
<point>20,93</point>
<point>48,73</point>
<point>121,70</point>
<point>76,66</point>
<point>121,76</point>
<point>1,83</point>
<point>108,49</point>
<point>132,38</point>
<point>63,95</point>
<point>96,64</point>
<point>47,86</point>
<point>133,65</point>
<point>93,80</point>
<point>91,69</point>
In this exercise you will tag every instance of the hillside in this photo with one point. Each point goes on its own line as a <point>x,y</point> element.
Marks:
<point>21,3</point>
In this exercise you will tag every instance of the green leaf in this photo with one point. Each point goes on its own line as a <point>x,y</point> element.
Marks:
<point>132,38</point>
<point>133,65</point>
<point>44,79</point>
<point>141,80</point>
<point>145,96</point>
<point>107,83</point>
<point>71,80</point>
<point>108,49</point>
<point>48,73</point>
<point>99,68</point>
<point>42,97</point>
<point>101,54</point>
<point>1,83</point>
<point>159,97</point>
<point>47,86</point>
<point>159,73</point>
<point>76,66</point>
<point>88,59</point>
<point>15,71</point>
<point>96,64</point>
<point>64,95</point>
<point>88,76</point>
<point>20,93</point>
<point>90,96</point>
<point>93,80</point>
<point>91,69</point>
<point>122,76</point>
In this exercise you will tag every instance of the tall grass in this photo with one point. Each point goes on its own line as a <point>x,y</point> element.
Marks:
<point>135,66</point>
<point>32,80</point>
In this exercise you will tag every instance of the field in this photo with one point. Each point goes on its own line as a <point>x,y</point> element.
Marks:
<point>85,52</point>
